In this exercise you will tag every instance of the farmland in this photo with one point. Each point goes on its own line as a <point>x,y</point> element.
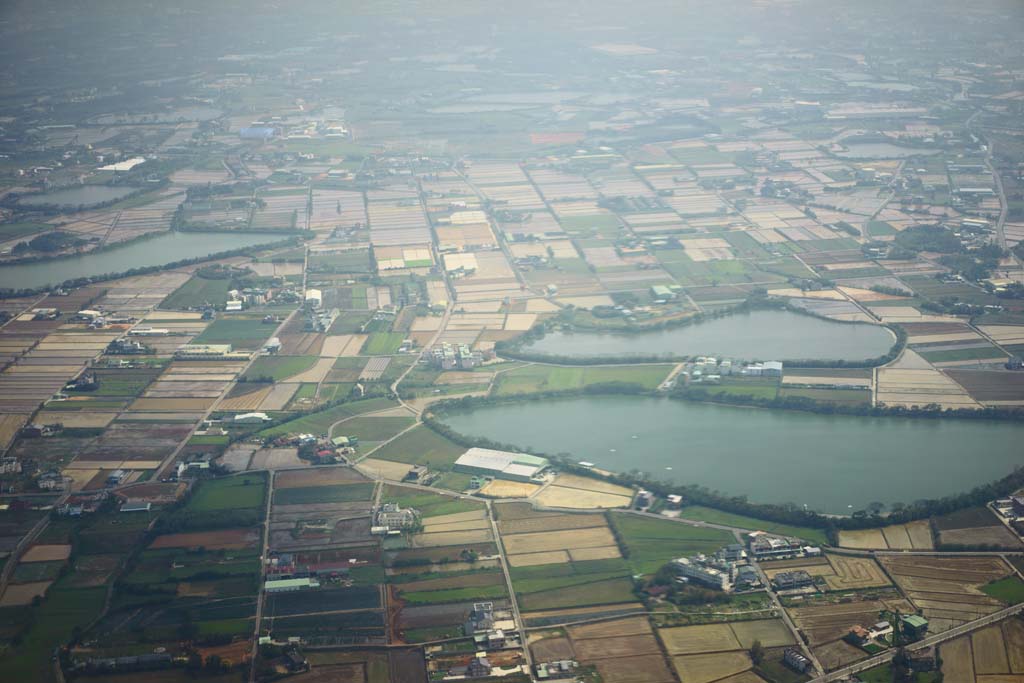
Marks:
<point>501,234</point>
<point>947,590</point>
<point>650,543</point>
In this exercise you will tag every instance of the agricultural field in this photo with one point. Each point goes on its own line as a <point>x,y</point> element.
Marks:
<point>650,543</point>
<point>622,650</point>
<point>573,491</point>
<point>588,538</point>
<point>974,528</point>
<point>704,514</point>
<point>840,572</point>
<point>536,378</point>
<point>711,652</point>
<point>994,654</point>
<point>278,368</point>
<point>910,536</point>
<point>948,590</point>
<point>242,332</point>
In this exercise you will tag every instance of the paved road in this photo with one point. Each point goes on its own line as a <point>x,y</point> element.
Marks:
<point>260,595</point>
<point>516,614</point>
<point>164,470</point>
<point>1004,207</point>
<point>931,640</point>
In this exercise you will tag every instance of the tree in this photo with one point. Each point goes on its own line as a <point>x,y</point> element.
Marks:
<point>756,652</point>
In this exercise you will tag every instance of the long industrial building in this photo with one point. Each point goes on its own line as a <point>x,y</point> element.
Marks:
<point>500,464</point>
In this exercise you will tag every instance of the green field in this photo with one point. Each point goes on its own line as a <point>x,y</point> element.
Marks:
<point>605,592</point>
<point>319,422</point>
<point>536,378</point>
<point>1009,590</point>
<point>421,446</point>
<point>494,592</point>
<point>372,429</point>
<point>429,504</point>
<point>712,516</point>
<point>230,493</point>
<point>382,343</point>
<point>339,493</point>
<point>550,577</point>
<point>650,543</point>
<point>11,231</point>
<point>279,368</point>
<point>198,292</point>
<point>842,396</point>
<point>52,624</point>
<point>972,353</point>
<point>240,332</point>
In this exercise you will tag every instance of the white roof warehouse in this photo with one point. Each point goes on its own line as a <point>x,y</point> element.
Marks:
<point>500,464</point>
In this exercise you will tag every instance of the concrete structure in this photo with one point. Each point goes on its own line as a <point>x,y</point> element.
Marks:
<point>792,580</point>
<point>289,585</point>
<point>707,571</point>
<point>766,547</point>
<point>500,464</point>
<point>393,516</point>
<point>796,661</point>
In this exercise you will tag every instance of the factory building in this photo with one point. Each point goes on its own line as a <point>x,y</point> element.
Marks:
<point>500,464</point>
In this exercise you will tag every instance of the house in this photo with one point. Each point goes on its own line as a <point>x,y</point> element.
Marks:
<point>921,660</point>
<point>746,578</point>
<point>881,629</point>
<point>481,618</point>
<point>792,580</point>
<point>136,506</point>
<point>796,661</point>
<point>417,473</point>
<point>51,481</point>
<point>772,368</point>
<point>10,465</point>
<point>733,552</point>
<point>116,477</point>
<point>295,661</point>
<point>858,635</point>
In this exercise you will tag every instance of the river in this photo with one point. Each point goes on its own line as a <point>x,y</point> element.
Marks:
<point>155,251</point>
<point>829,463</point>
<point>754,335</point>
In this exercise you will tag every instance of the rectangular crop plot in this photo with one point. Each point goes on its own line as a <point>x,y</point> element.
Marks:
<point>686,640</point>
<point>559,540</point>
<point>339,493</point>
<point>710,667</point>
<point>323,600</point>
<point>771,632</point>
<point>989,651</point>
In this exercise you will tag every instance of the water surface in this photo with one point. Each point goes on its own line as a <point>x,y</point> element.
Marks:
<point>771,456</point>
<point>86,195</point>
<point>156,251</point>
<point>755,335</point>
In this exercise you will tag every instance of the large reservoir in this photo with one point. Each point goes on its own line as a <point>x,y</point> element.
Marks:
<point>754,335</point>
<point>156,251</point>
<point>833,464</point>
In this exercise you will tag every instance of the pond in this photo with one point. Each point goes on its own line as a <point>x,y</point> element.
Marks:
<point>827,462</point>
<point>86,195</point>
<point>754,335</point>
<point>882,150</point>
<point>156,251</point>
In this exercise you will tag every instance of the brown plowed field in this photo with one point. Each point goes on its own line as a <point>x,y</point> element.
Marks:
<point>553,523</point>
<point>227,539</point>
